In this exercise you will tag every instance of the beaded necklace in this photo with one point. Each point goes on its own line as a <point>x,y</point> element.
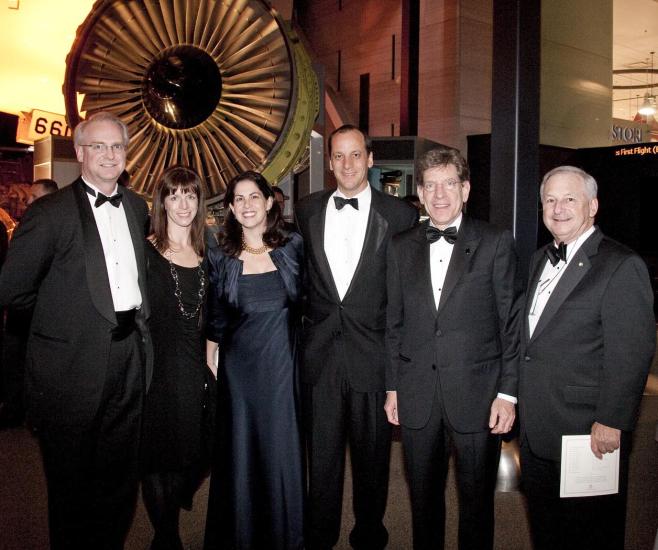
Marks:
<point>179,295</point>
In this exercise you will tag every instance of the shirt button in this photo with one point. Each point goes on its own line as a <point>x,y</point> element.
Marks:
<point>527,358</point>
<point>439,333</point>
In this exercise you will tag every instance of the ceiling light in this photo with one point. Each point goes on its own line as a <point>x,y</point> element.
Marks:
<point>648,106</point>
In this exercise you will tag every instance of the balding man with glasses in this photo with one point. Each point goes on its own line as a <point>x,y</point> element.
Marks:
<point>78,257</point>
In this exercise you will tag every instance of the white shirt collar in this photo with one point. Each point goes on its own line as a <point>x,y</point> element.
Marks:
<point>573,247</point>
<point>97,190</point>
<point>457,222</point>
<point>364,195</point>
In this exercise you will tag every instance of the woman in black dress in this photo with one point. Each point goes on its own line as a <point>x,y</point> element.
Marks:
<point>175,447</point>
<point>257,484</point>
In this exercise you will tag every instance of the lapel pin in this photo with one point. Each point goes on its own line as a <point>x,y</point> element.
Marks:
<point>580,264</point>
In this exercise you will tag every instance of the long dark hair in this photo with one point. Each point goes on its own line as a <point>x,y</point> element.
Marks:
<point>274,235</point>
<point>172,179</point>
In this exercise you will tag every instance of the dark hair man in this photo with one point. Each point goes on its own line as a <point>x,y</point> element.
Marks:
<point>587,342</point>
<point>452,335</point>
<point>78,255</point>
<point>41,188</point>
<point>347,234</point>
<point>17,324</point>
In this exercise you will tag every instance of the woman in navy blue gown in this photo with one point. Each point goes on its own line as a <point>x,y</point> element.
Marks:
<point>257,483</point>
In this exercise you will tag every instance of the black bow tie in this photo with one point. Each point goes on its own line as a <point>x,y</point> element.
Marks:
<point>114,200</point>
<point>340,202</point>
<point>433,234</point>
<point>557,253</point>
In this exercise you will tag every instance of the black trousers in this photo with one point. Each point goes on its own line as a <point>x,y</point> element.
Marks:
<point>572,523</point>
<point>427,453</point>
<point>92,471</point>
<point>333,415</point>
<point>14,346</point>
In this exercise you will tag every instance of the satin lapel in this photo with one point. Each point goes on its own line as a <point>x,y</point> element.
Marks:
<point>316,231</point>
<point>467,243</point>
<point>376,229</point>
<point>537,268</point>
<point>419,256</point>
<point>97,279</point>
<point>137,234</point>
<point>576,270</point>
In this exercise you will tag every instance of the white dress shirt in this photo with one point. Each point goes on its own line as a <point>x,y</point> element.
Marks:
<point>119,253</point>
<point>549,278</point>
<point>440,254</point>
<point>344,234</point>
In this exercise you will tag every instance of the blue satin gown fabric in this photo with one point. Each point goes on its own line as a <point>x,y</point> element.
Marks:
<point>257,486</point>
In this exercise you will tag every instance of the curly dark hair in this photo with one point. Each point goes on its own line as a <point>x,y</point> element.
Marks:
<point>275,234</point>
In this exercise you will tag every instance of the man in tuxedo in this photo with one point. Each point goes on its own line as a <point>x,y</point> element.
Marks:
<point>17,326</point>
<point>452,336</point>
<point>587,342</point>
<point>41,188</point>
<point>78,256</point>
<point>346,234</point>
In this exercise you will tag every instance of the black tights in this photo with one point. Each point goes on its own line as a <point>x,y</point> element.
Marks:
<point>161,493</point>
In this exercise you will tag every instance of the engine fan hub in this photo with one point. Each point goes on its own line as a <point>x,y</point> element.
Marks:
<point>182,87</point>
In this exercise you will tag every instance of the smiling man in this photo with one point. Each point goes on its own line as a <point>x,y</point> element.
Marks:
<point>452,320</point>
<point>78,256</point>
<point>587,343</point>
<point>347,234</point>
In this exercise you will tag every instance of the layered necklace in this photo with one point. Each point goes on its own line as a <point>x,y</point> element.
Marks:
<point>251,249</point>
<point>178,293</point>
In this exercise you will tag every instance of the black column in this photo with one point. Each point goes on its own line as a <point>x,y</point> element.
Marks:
<point>409,53</point>
<point>515,121</point>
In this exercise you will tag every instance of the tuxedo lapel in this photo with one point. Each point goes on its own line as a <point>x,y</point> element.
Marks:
<point>576,270</point>
<point>419,258</point>
<point>137,234</point>
<point>97,279</point>
<point>376,229</point>
<point>464,250</point>
<point>316,223</point>
<point>537,267</point>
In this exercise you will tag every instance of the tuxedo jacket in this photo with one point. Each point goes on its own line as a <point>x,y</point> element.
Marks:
<point>350,332</point>
<point>468,347</point>
<point>589,355</point>
<point>56,262</point>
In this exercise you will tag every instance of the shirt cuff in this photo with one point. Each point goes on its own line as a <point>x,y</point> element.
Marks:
<point>509,398</point>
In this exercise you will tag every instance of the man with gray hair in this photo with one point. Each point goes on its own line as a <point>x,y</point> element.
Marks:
<point>587,342</point>
<point>78,257</point>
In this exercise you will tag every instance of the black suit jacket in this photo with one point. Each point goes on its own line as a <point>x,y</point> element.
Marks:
<point>591,350</point>
<point>469,346</point>
<point>348,332</point>
<point>56,262</point>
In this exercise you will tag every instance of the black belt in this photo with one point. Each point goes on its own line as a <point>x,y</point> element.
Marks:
<point>125,324</point>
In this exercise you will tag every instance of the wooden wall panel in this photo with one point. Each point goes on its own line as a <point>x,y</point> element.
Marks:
<point>362,31</point>
<point>455,58</point>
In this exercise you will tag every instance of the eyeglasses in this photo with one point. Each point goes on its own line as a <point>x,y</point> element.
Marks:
<point>117,148</point>
<point>449,185</point>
